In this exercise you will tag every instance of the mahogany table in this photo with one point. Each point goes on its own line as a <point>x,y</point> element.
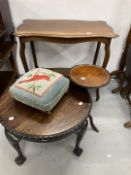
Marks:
<point>64,31</point>
<point>70,116</point>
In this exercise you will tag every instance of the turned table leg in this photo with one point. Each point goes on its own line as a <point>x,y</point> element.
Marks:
<point>80,133</point>
<point>14,141</point>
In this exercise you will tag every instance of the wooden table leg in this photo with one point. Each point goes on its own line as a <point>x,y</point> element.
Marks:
<point>91,118</point>
<point>97,94</point>
<point>14,141</point>
<point>107,53</point>
<point>97,53</point>
<point>80,133</point>
<point>105,62</point>
<point>94,63</point>
<point>34,54</point>
<point>22,55</point>
<point>92,123</point>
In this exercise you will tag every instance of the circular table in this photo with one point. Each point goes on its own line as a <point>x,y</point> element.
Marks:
<point>68,117</point>
<point>90,76</point>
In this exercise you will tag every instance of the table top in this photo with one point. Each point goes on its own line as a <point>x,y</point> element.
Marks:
<point>89,76</point>
<point>68,114</point>
<point>65,29</point>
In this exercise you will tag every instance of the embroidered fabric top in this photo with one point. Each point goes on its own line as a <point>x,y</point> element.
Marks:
<point>38,81</point>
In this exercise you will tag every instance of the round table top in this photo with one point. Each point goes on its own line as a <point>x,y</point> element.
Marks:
<point>89,76</point>
<point>69,113</point>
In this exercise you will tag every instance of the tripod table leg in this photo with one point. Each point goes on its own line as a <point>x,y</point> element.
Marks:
<point>92,123</point>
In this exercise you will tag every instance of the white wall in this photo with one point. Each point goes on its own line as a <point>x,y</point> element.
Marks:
<point>116,12</point>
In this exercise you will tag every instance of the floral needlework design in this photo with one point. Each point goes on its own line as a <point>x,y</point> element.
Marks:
<point>38,81</point>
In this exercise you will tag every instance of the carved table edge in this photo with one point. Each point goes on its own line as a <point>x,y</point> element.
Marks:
<point>46,138</point>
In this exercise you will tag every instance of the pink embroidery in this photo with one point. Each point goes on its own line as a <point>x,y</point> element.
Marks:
<point>46,90</point>
<point>36,77</point>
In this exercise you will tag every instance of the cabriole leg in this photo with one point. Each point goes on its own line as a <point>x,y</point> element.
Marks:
<point>14,141</point>
<point>92,123</point>
<point>80,133</point>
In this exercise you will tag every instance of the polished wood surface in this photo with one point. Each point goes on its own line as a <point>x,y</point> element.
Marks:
<point>64,31</point>
<point>89,76</point>
<point>71,111</point>
<point>65,28</point>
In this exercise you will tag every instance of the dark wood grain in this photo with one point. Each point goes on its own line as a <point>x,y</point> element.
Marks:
<point>71,111</point>
<point>89,76</point>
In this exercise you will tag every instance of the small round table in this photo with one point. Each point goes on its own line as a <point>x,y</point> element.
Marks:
<point>90,76</point>
<point>69,116</point>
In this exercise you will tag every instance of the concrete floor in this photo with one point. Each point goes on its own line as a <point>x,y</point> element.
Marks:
<point>105,153</point>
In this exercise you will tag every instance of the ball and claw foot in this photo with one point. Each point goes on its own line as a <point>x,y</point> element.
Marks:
<point>80,133</point>
<point>14,141</point>
<point>20,160</point>
<point>78,151</point>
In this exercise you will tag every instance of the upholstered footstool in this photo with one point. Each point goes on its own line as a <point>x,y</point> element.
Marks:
<point>40,88</point>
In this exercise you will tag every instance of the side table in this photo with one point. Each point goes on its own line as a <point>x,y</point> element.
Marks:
<point>64,31</point>
<point>70,116</point>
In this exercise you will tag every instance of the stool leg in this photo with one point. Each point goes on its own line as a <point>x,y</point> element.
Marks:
<point>80,133</point>
<point>97,94</point>
<point>14,141</point>
<point>92,123</point>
